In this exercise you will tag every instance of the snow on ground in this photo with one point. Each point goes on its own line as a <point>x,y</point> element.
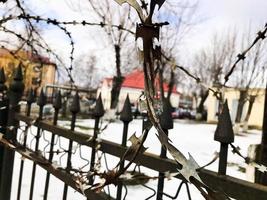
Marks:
<point>195,138</point>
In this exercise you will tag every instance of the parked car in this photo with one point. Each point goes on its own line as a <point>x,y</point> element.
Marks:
<point>183,113</point>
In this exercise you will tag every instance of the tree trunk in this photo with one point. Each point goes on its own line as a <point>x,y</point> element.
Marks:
<point>117,80</point>
<point>204,95</point>
<point>115,91</point>
<point>241,103</point>
<point>171,85</point>
<point>250,106</point>
<point>240,106</point>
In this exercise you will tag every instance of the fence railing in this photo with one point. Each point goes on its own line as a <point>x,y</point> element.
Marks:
<point>56,150</point>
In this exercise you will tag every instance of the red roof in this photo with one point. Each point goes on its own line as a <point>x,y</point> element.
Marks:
<point>136,80</point>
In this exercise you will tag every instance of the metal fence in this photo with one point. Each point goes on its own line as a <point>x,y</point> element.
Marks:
<point>61,152</point>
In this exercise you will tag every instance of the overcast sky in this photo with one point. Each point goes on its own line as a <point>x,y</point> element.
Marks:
<point>215,16</point>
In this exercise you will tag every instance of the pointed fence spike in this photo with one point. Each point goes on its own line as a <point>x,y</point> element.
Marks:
<point>75,105</point>
<point>99,108</point>
<point>18,76</point>
<point>3,87</point>
<point>30,96</point>
<point>224,132</point>
<point>166,120</point>
<point>57,104</point>
<point>126,113</point>
<point>16,87</point>
<point>42,98</point>
<point>2,76</point>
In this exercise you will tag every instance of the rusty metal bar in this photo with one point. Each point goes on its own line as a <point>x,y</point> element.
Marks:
<point>124,141</point>
<point>126,117</point>
<point>3,112</point>
<point>263,177</point>
<point>30,100</point>
<point>57,105</point>
<point>163,154</point>
<point>93,151</point>
<point>15,93</point>
<point>75,108</point>
<point>98,113</point>
<point>223,159</point>
<point>41,102</point>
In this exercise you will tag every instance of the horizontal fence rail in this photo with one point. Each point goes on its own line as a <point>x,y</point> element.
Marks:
<point>230,185</point>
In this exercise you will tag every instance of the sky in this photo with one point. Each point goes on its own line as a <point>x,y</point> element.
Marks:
<point>213,16</point>
<point>219,15</point>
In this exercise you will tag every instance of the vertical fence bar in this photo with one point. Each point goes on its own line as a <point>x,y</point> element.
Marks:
<point>3,113</point>
<point>57,104</point>
<point>74,109</point>
<point>41,103</point>
<point>263,176</point>
<point>126,117</point>
<point>225,135</point>
<point>98,113</point>
<point>166,123</point>
<point>30,100</point>
<point>14,94</point>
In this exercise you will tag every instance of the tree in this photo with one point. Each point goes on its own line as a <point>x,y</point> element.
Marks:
<point>182,14</point>
<point>212,62</point>
<point>85,72</point>
<point>117,38</point>
<point>250,75</point>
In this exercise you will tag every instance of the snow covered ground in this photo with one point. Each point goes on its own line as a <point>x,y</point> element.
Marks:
<point>195,138</point>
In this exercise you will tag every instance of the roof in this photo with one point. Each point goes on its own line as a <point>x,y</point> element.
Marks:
<point>136,80</point>
<point>27,55</point>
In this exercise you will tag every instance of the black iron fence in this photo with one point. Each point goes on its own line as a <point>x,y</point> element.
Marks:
<point>61,152</point>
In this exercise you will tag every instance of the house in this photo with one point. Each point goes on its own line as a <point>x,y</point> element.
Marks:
<point>133,85</point>
<point>232,96</point>
<point>38,70</point>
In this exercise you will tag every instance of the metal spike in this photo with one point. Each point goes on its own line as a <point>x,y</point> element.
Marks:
<point>57,104</point>
<point>224,132</point>
<point>75,105</point>
<point>2,76</point>
<point>126,113</point>
<point>166,120</point>
<point>99,108</point>
<point>18,76</point>
<point>42,98</point>
<point>17,85</point>
<point>30,96</point>
<point>2,80</point>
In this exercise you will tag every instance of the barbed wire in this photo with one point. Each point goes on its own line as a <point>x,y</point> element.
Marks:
<point>242,56</point>
<point>249,161</point>
<point>60,25</point>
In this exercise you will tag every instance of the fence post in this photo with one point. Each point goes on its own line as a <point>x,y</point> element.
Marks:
<point>166,123</point>
<point>3,112</point>
<point>225,135</point>
<point>41,103</point>
<point>74,109</point>
<point>263,159</point>
<point>126,117</point>
<point>14,94</point>
<point>98,113</point>
<point>57,104</point>
<point>30,100</point>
